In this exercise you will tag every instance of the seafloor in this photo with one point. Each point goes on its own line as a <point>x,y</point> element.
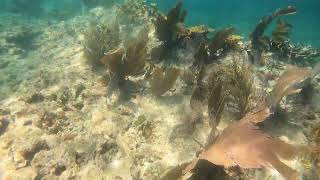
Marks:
<point>58,122</point>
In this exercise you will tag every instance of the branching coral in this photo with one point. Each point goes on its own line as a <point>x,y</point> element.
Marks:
<point>221,42</point>
<point>260,42</point>
<point>282,32</point>
<point>199,96</point>
<point>172,32</point>
<point>279,43</point>
<point>281,46</point>
<point>99,39</point>
<point>163,80</point>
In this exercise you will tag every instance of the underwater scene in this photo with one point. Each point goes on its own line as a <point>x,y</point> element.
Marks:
<point>159,89</point>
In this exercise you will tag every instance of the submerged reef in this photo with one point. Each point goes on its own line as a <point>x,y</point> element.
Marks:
<point>124,91</point>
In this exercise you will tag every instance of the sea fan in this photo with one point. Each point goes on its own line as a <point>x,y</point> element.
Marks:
<point>130,61</point>
<point>163,80</point>
<point>288,83</point>
<point>244,144</point>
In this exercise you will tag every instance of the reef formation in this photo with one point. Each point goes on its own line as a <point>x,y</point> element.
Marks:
<point>125,91</point>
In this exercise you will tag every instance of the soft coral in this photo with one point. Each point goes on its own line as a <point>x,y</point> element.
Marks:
<point>244,144</point>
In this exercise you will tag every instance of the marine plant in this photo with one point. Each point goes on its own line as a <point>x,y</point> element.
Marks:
<point>163,80</point>
<point>100,38</point>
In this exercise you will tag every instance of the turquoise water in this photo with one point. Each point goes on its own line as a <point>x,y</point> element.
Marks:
<point>217,14</point>
<point>244,14</point>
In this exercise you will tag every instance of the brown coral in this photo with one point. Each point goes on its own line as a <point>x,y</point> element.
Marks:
<point>130,61</point>
<point>167,27</point>
<point>163,80</point>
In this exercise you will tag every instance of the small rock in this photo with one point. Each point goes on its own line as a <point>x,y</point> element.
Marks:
<point>125,111</point>
<point>29,151</point>
<point>4,112</point>
<point>19,160</point>
<point>27,122</point>
<point>4,123</point>
<point>35,98</point>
